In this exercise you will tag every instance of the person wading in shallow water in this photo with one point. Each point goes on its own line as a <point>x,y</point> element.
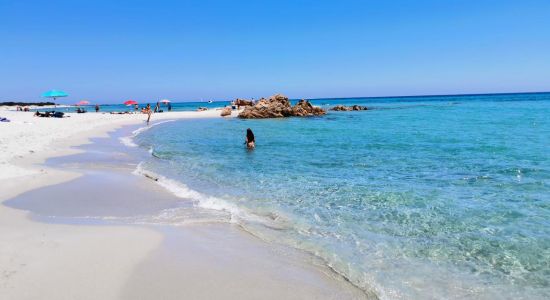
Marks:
<point>250,142</point>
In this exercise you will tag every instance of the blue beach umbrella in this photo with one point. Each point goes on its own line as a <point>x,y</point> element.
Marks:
<point>54,94</point>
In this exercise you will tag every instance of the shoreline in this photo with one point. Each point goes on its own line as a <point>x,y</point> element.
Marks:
<point>149,251</point>
<point>28,140</point>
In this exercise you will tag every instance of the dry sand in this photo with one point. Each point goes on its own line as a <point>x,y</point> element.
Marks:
<point>41,260</point>
<point>26,135</point>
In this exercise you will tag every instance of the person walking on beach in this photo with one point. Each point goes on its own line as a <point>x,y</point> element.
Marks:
<point>96,108</point>
<point>148,111</point>
<point>136,107</point>
<point>157,107</point>
<point>169,106</point>
<point>250,141</point>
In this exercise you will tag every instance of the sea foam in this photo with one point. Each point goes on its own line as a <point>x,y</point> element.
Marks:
<point>237,215</point>
<point>129,140</point>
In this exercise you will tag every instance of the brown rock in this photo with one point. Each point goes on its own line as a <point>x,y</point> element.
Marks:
<point>348,108</point>
<point>243,102</point>
<point>359,107</point>
<point>304,109</point>
<point>226,111</point>
<point>278,106</point>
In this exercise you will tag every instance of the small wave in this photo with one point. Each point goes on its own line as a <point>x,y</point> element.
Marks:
<point>129,140</point>
<point>236,214</point>
<point>209,209</point>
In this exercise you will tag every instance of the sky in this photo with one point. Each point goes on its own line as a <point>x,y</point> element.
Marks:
<point>111,51</point>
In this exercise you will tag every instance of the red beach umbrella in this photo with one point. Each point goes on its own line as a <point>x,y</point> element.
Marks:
<point>130,102</point>
<point>83,102</point>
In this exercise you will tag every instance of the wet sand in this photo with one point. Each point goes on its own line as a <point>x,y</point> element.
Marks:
<point>220,261</point>
<point>209,260</point>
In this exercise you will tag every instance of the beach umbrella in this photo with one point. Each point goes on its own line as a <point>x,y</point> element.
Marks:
<point>130,102</point>
<point>54,94</point>
<point>83,102</point>
<point>165,101</point>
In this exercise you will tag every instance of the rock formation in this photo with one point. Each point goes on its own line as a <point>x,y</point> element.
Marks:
<point>278,106</point>
<point>303,109</point>
<point>243,102</point>
<point>348,108</point>
<point>226,111</point>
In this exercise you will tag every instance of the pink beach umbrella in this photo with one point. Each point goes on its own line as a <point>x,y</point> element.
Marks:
<point>164,101</point>
<point>83,102</point>
<point>130,102</point>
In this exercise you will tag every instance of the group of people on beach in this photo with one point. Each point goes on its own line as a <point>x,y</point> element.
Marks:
<point>250,140</point>
<point>148,111</point>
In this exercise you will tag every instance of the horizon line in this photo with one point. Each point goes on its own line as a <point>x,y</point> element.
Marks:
<point>426,96</point>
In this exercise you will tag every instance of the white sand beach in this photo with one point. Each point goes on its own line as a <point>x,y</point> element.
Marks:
<point>40,260</point>
<point>29,138</point>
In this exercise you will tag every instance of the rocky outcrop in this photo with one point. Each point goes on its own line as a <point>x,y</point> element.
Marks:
<point>348,108</point>
<point>303,109</point>
<point>243,102</point>
<point>226,111</point>
<point>278,106</point>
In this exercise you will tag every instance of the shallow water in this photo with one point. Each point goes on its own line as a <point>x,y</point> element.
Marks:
<point>438,197</point>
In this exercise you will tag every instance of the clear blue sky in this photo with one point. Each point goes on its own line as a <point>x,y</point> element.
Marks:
<point>110,51</point>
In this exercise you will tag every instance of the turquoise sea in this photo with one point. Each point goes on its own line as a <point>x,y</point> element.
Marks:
<point>421,197</point>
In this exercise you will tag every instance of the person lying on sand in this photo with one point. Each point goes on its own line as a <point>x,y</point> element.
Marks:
<point>250,141</point>
<point>44,114</point>
<point>49,114</point>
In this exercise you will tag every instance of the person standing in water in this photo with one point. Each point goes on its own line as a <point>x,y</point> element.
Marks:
<point>96,108</point>
<point>250,140</point>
